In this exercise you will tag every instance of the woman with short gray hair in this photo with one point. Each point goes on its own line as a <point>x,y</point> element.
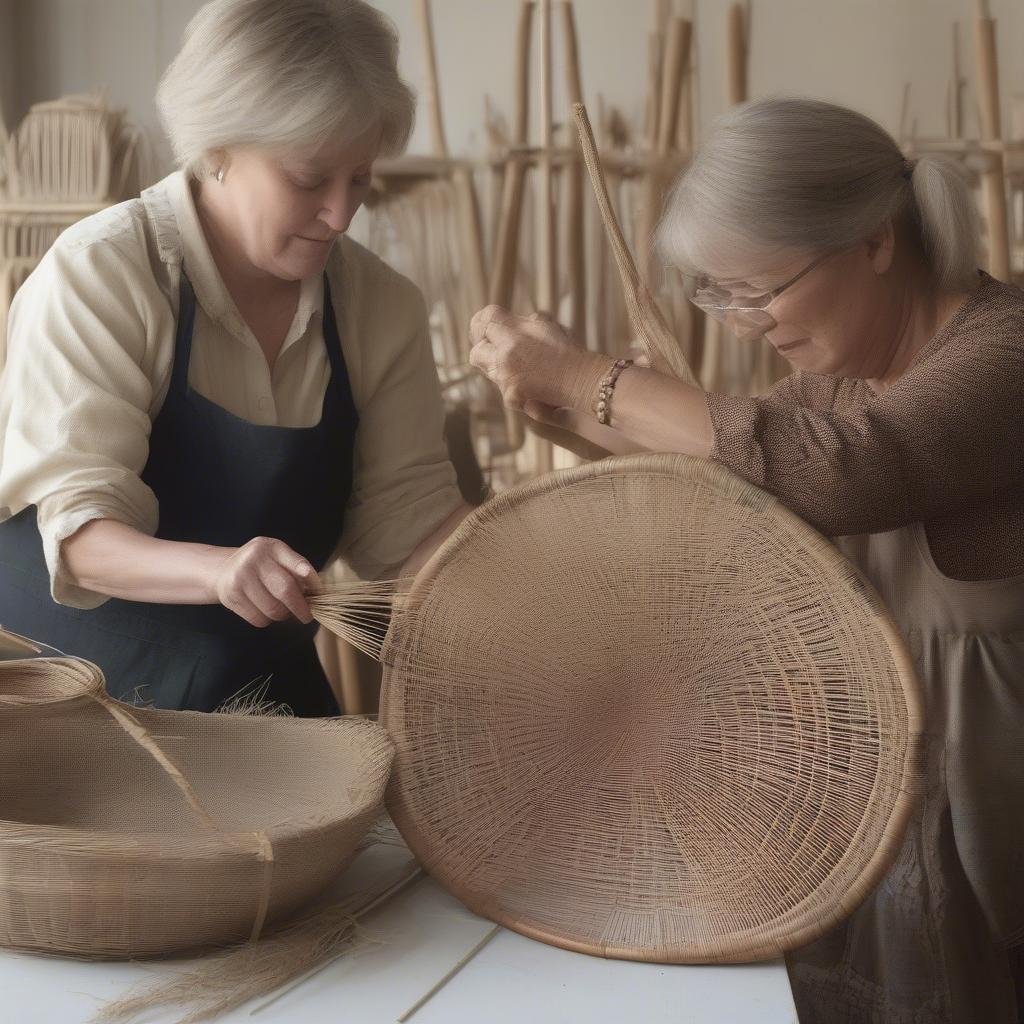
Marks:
<point>901,435</point>
<point>211,391</point>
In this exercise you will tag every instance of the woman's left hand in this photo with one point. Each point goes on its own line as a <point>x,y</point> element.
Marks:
<point>532,359</point>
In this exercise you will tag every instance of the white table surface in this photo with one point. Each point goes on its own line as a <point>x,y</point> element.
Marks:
<point>422,934</point>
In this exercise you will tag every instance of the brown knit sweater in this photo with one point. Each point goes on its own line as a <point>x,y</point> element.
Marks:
<point>943,446</point>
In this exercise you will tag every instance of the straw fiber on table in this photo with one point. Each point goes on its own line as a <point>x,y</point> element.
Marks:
<point>641,710</point>
<point>129,832</point>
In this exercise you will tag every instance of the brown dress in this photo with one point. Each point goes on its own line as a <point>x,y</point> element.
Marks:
<point>923,488</point>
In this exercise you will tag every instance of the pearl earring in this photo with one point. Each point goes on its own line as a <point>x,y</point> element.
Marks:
<point>220,174</point>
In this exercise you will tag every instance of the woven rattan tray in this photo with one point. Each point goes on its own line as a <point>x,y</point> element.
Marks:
<point>641,710</point>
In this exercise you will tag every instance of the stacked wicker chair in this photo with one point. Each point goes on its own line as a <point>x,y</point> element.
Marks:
<point>67,159</point>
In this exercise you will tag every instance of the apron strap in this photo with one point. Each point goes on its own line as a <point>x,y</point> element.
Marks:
<point>183,334</point>
<point>332,339</point>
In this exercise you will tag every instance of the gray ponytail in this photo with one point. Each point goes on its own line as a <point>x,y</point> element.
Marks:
<point>796,174</point>
<point>945,215</point>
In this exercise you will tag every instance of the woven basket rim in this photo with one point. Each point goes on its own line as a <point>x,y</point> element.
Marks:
<point>85,680</point>
<point>808,921</point>
<point>78,678</point>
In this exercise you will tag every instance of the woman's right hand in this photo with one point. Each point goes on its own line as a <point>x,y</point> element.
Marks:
<point>264,581</point>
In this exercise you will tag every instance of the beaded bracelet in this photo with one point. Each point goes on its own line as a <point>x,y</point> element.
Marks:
<point>604,394</point>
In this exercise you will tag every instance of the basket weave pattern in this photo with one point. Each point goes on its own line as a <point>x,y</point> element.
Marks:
<point>643,711</point>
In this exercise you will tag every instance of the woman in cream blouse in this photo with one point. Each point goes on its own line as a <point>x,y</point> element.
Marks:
<point>211,390</point>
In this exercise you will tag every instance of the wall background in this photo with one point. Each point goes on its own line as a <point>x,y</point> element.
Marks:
<point>856,52</point>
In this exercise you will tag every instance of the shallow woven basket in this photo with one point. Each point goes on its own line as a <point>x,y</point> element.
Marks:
<point>130,832</point>
<point>643,711</point>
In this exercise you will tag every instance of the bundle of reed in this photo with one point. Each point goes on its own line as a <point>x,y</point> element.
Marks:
<point>357,611</point>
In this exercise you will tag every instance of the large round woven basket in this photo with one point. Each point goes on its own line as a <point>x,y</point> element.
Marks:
<point>130,832</point>
<point>641,710</point>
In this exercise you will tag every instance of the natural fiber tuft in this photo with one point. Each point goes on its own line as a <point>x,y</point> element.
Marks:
<point>253,700</point>
<point>357,611</point>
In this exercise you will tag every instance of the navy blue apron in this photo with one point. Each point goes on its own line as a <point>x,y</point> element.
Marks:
<point>219,480</point>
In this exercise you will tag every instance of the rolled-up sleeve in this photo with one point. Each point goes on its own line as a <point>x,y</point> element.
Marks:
<point>404,485</point>
<point>75,400</point>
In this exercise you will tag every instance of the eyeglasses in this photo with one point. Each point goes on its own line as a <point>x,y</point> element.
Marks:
<point>740,306</point>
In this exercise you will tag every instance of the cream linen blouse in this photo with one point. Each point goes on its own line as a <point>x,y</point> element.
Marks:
<point>90,350</point>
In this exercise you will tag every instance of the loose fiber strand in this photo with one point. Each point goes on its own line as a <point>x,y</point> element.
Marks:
<point>235,976</point>
<point>358,611</point>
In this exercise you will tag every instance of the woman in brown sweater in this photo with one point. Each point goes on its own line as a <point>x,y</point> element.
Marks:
<point>901,435</point>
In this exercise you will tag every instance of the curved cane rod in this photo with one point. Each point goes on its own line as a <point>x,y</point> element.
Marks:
<point>644,316</point>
